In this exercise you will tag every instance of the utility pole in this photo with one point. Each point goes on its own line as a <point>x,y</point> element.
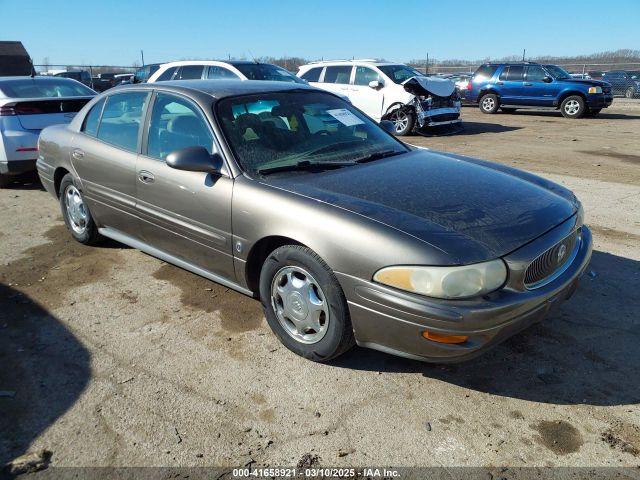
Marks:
<point>142,57</point>
<point>426,65</point>
<point>524,52</point>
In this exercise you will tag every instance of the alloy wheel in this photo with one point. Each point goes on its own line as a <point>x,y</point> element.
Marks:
<point>572,107</point>
<point>400,120</point>
<point>76,210</point>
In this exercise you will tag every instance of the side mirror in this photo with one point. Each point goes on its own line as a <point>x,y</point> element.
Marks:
<point>547,79</point>
<point>195,159</point>
<point>376,84</point>
<point>388,126</point>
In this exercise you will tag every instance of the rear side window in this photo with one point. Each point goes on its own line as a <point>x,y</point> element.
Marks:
<point>167,74</point>
<point>91,121</point>
<point>485,72</point>
<point>337,74</point>
<point>176,123</point>
<point>190,72</point>
<point>364,75</point>
<point>121,118</point>
<point>312,75</point>
<point>516,73</point>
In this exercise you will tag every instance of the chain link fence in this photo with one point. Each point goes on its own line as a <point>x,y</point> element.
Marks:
<point>98,77</point>
<point>623,77</point>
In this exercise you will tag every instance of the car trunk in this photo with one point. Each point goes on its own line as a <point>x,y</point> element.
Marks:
<point>38,114</point>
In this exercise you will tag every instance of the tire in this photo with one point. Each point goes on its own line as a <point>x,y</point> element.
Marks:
<point>573,107</point>
<point>507,110</point>
<point>5,180</point>
<point>489,103</point>
<point>76,213</point>
<point>630,93</point>
<point>593,112</point>
<point>304,304</point>
<point>404,121</point>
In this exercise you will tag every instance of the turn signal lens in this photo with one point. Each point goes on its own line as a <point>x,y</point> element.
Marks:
<point>441,338</point>
<point>595,89</point>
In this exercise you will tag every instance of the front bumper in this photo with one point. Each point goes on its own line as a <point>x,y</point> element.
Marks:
<point>15,167</point>
<point>438,116</point>
<point>392,321</point>
<point>600,100</point>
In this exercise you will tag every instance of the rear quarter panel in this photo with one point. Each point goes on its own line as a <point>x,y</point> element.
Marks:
<point>54,147</point>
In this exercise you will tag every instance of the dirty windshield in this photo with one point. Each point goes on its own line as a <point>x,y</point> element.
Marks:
<point>288,130</point>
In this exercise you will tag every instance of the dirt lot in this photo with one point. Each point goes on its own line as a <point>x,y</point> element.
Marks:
<point>111,357</point>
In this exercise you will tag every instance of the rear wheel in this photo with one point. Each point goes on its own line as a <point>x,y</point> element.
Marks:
<point>304,304</point>
<point>573,107</point>
<point>76,213</point>
<point>403,121</point>
<point>489,103</point>
<point>5,180</point>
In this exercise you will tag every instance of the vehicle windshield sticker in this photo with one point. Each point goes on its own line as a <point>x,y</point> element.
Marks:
<point>345,117</point>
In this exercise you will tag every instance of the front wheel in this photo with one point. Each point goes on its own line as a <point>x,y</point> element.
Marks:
<point>573,107</point>
<point>403,121</point>
<point>76,214</point>
<point>489,103</point>
<point>304,304</point>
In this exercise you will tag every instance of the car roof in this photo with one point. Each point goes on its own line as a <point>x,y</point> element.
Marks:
<point>220,88</point>
<point>366,61</point>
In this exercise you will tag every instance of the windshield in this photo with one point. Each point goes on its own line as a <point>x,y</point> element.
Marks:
<point>44,88</point>
<point>400,73</point>
<point>557,72</point>
<point>265,71</point>
<point>273,131</point>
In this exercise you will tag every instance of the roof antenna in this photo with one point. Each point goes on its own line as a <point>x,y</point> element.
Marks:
<point>252,57</point>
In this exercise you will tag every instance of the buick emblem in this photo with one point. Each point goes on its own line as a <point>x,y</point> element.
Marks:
<point>562,251</point>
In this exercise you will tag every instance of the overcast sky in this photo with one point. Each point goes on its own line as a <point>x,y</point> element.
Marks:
<point>91,32</point>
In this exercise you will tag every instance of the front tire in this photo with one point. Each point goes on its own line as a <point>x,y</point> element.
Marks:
<point>304,304</point>
<point>403,120</point>
<point>76,214</point>
<point>573,107</point>
<point>489,103</point>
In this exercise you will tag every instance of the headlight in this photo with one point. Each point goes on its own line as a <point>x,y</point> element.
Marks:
<point>446,282</point>
<point>595,89</point>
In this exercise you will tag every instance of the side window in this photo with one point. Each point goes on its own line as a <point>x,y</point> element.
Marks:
<point>485,72</point>
<point>337,74</point>
<point>190,72</point>
<point>535,73</point>
<point>167,74</point>
<point>516,73</point>
<point>176,123</point>
<point>364,75</point>
<point>504,74</point>
<point>312,75</point>
<point>91,121</point>
<point>221,73</point>
<point>121,118</point>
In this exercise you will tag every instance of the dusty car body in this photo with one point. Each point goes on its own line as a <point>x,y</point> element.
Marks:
<point>338,251</point>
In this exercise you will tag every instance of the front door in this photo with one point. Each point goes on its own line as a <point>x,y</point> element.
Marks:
<point>536,90</point>
<point>185,214</point>
<point>362,96</point>
<point>104,155</point>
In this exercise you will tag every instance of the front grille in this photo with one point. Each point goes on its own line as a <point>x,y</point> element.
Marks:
<point>551,261</point>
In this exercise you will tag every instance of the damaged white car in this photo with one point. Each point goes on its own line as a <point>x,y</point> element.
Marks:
<point>389,91</point>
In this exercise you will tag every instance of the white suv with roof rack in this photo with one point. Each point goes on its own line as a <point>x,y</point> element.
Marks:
<point>388,91</point>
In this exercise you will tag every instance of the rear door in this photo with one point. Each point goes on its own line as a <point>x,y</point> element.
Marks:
<point>185,214</point>
<point>105,158</point>
<point>362,96</point>
<point>511,82</point>
<point>336,79</point>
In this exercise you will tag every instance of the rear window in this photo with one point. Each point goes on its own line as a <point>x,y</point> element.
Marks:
<point>312,75</point>
<point>266,71</point>
<point>337,74</point>
<point>43,88</point>
<point>190,72</point>
<point>485,72</point>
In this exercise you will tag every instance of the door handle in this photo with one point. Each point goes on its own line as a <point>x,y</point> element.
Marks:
<point>77,153</point>
<point>145,176</point>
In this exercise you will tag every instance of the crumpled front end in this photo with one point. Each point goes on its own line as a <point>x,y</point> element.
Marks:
<point>436,101</point>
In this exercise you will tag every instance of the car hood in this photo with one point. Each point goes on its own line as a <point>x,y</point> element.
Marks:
<point>470,209</point>
<point>582,81</point>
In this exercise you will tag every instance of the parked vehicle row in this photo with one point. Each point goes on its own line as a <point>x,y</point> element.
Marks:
<point>510,86</point>
<point>290,194</point>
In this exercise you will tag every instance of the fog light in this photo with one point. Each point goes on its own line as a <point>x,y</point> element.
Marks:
<point>441,338</point>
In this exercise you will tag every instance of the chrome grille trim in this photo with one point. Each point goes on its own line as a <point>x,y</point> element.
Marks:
<point>544,269</point>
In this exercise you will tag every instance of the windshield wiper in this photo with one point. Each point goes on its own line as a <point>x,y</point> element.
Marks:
<point>304,165</point>
<point>378,156</point>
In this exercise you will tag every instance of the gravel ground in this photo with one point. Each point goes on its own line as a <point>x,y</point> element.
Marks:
<point>110,357</point>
